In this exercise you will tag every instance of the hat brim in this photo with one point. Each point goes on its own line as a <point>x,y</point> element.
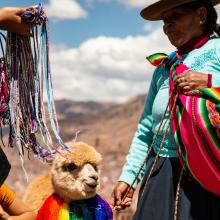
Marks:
<point>154,12</point>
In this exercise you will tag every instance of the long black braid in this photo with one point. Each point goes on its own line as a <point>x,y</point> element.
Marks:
<point>211,24</point>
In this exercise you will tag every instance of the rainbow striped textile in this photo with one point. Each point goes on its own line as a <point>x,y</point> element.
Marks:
<point>91,209</point>
<point>196,126</point>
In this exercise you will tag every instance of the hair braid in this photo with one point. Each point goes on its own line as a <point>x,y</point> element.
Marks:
<point>212,16</point>
<point>217,29</point>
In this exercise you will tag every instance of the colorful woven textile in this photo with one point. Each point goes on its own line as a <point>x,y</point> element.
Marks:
<point>91,209</point>
<point>196,126</point>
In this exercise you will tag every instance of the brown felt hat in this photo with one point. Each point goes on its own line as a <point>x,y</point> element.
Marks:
<point>154,11</point>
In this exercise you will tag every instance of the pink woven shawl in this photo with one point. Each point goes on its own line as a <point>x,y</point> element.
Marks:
<point>195,123</point>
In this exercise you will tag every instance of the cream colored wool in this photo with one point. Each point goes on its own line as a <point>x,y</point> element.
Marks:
<point>82,153</point>
<point>80,183</point>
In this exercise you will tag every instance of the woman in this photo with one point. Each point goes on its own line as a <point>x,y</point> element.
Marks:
<point>187,23</point>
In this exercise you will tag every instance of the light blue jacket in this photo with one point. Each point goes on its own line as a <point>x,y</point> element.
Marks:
<point>206,60</point>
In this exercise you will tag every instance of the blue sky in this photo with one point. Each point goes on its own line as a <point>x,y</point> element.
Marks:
<point>103,19</point>
<point>96,43</point>
<point>98,47</point>
<point>110,19</point>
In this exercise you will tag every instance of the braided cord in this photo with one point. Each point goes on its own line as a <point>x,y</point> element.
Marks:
<point>161,144</point>
<point>150,150</point>
<point>177,199</point>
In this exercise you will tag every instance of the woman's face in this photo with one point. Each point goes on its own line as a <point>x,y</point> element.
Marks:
<point>183,24</point>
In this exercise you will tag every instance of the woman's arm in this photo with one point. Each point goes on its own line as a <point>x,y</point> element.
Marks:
<point>11,207</point>
<point>137,153</point>
<point>142,138</point>
<point>10,20</point>
<point>17,211</point>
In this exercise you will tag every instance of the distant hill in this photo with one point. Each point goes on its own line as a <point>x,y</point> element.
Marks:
<point>107,126</point>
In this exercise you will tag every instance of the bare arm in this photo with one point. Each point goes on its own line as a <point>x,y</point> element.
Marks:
<point>17,211</point>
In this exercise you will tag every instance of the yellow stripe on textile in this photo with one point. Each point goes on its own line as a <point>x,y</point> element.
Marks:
<point>64,212</point>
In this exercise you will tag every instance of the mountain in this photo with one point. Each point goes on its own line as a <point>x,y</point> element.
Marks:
<point>109,127</point>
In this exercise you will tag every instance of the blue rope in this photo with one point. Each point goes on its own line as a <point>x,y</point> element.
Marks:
<point>28,72</point>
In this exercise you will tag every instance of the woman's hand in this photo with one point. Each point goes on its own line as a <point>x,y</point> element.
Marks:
<point>3,215</point>
<point>10,20</point>
<point>118,194</point>
<point>189,81</point>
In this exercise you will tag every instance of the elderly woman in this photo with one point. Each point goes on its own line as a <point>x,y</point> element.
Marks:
<point>191,27</point>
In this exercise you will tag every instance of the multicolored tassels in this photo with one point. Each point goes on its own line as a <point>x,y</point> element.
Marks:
<point>24,72</point>
<point>157,58</point>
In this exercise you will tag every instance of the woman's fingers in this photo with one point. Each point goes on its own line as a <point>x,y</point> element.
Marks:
<point>186,88</point>
<point>127,202</point>
<point>117,200</point>
<point>112,201</point>
<point>181,86</point>
<point>19,11</point>
<point>118,197</point>
<point>184,82</point>
<point>3,214</point>
<point>119,203</point>
<point>190,80</point>
<point>122,204</point>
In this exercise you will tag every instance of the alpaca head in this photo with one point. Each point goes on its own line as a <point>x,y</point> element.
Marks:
<point>75,175</point>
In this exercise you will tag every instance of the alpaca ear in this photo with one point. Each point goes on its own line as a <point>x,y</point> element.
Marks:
<point>47,163</point>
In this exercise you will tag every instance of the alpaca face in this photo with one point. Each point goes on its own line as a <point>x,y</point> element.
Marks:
<point>72,182</point>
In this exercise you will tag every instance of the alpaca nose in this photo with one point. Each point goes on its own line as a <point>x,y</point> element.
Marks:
<point>94,176</point>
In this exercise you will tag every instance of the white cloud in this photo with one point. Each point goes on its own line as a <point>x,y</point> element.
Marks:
<point>65,9</point>
<point>152,26</point>
<point>97,1</point>
<point>105,68</point>
<point>136,3</point>
<point>127,3</point>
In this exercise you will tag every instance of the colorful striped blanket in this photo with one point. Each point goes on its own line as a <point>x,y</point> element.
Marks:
<point>196,125</point>
<point>91,209</point>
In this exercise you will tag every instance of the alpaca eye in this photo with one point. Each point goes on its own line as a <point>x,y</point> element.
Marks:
<point>70,167</point>
<point>96,168</point>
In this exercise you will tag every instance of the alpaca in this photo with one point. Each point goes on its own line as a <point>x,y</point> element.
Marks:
<point>69,191</point>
